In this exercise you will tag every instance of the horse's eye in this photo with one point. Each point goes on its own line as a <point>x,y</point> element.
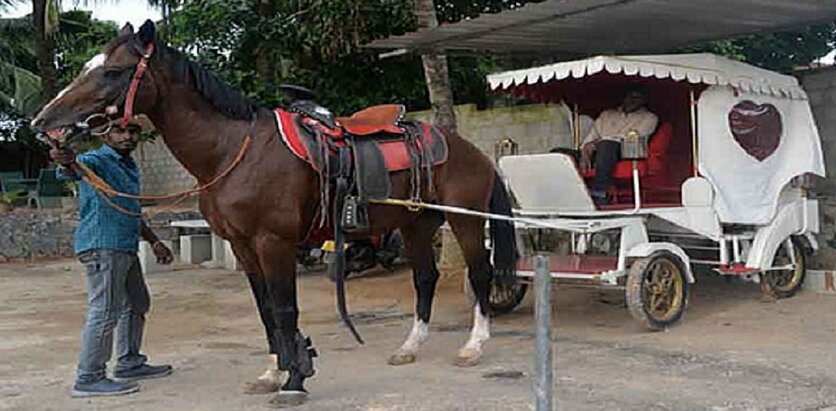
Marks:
<point>113,73</point>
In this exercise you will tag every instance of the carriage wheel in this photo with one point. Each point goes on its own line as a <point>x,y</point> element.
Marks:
<point>785,283</point>
<point>505,297</point>
<point>657,290</point>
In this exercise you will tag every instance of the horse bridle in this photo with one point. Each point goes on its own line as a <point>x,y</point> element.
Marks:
<point>128,100</point>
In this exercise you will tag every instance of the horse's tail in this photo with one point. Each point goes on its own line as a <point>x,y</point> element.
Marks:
<point>503,235</point>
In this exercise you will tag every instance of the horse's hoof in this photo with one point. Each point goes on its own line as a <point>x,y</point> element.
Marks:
<point>286,399</point>
<point>468,357</point>
<point>260,386</point>
<point>399,358</point>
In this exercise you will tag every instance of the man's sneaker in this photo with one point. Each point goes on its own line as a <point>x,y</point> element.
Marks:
<point>104,388</point>
<point>142,372</point>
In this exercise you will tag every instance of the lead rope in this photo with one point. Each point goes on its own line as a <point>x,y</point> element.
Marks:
<point>106,191</point>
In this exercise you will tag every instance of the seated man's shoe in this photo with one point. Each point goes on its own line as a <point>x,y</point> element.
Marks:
<point>104,388</point>
<point>143,372</point>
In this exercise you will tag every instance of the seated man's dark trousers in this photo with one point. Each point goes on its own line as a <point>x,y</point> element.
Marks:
<point>607,154</point>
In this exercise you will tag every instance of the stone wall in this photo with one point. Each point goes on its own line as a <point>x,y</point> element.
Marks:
<point>27,234</point>
<point>30,234</point>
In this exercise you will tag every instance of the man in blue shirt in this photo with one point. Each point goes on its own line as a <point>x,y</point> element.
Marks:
<point>106,242</point>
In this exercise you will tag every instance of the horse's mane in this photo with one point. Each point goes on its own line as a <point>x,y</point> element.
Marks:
<point>228,100</point>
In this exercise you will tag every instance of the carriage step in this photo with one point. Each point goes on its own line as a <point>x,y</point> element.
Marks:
<point>573,263</point>
<point>735,269</point>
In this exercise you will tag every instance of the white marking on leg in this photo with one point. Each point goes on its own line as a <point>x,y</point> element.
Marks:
<point>272,374</point>
<point>481,331</point>
<point>419,334</point>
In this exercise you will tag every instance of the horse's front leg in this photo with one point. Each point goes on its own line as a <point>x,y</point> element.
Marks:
<point>295,351</point>
<point>270,380</point>
<point>470,234</point>
<point>418,243</point>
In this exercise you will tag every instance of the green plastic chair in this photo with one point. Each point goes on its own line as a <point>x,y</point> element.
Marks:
<point>10,183</point>
<point>6,178</point>
<point>48,192</point>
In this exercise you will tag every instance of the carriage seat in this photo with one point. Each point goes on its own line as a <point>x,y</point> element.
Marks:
<point>653,165</point>
<point>382,118</point>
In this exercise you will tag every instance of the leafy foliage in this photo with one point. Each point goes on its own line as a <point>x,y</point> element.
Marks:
<point>777,51</point>
<point>259,44</point>
<point>79,38</point>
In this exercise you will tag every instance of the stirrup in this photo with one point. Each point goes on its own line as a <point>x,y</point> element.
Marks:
<point>355,216</point>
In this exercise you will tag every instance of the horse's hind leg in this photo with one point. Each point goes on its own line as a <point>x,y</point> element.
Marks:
<point>270,380</point>
<point>470,233</point>
<point>418,238</point>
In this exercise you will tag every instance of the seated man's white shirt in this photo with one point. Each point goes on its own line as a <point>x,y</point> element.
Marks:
<point>614,124</point>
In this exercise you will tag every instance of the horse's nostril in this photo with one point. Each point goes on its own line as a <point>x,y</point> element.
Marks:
<point>36,122</point>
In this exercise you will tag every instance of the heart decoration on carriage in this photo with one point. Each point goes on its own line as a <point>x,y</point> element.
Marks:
<point>757,128</point>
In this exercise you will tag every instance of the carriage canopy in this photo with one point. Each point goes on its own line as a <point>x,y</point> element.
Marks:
<point>755,130</point>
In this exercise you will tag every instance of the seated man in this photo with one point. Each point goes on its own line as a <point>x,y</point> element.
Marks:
<point>610,129</point>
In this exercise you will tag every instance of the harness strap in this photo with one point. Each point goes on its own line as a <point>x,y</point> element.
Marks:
<point>128,111</point>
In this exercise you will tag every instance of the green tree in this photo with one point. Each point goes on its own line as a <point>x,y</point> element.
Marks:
<point>257,44</point>
<point>781,52</point>
<point>77,40</point>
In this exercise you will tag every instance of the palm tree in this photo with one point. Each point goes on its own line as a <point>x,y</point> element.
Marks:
<point>20,87</point>
<point>436,71</point>
<point>45,19</point>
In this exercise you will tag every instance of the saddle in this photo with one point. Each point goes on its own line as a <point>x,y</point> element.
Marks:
<point>383,118</point>
<point>363,149</point>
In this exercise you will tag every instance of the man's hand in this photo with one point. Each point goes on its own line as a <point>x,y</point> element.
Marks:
<point>586,155</point>
<point>62,156</point>
<point>163,253</point>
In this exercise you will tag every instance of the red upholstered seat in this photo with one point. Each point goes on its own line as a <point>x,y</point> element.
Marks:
<point>654,171</point>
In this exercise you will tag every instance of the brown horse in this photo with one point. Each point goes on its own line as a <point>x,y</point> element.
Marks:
<point>267,204</point>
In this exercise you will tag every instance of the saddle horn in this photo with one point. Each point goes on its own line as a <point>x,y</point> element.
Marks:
<point>297,92</point>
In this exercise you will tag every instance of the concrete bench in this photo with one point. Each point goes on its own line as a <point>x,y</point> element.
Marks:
<point>195,248</point>
<point>221,251</point>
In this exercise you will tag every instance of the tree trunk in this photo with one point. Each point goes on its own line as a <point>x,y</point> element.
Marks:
<point>435,71</point>
<point>265,67</point>
<point>45,50</point>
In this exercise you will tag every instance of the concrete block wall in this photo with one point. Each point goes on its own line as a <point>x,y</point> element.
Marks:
<point>537,128</point>
<point>161,172</point>
<point>820,86</point>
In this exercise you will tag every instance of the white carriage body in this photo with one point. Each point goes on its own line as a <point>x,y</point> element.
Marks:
<point>744,196</point>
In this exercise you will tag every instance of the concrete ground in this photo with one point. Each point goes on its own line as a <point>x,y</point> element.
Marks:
<point>730,351</point>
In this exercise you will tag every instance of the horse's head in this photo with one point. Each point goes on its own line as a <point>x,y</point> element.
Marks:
<point>102,88</point>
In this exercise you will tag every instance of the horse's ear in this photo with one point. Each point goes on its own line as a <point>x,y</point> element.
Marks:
<point>126,30</point>
<point>147,33</point>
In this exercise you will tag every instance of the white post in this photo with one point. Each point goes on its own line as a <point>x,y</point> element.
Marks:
<point>637,193</point>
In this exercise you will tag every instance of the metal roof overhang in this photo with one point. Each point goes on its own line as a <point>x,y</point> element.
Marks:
<point>586,27</point>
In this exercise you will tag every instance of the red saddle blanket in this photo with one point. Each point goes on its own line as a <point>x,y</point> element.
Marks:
<point>296,133</point>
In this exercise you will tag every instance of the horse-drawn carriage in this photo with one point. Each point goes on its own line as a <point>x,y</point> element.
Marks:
<point>722,184</point>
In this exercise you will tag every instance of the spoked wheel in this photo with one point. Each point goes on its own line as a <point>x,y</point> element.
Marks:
<point>657,290</point>
<point>505,297</point>
<point>785,283</point>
